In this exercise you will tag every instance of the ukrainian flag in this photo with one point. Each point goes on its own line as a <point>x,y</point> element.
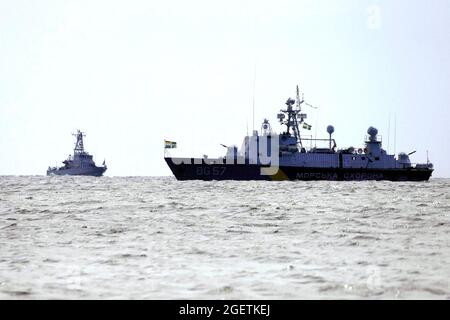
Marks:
<point>306,126</point>
<point>169,144</point>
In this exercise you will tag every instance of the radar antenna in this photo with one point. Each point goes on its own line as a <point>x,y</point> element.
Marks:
<point>298,103</point>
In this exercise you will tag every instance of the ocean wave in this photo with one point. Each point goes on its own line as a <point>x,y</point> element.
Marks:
<point>232,239</point>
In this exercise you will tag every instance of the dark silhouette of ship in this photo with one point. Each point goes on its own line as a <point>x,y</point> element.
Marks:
<point>287,156</point>
<point>80,164</point>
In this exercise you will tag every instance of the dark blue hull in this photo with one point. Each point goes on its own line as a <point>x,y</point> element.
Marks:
<point>204,171</point>
<point>90,171</point>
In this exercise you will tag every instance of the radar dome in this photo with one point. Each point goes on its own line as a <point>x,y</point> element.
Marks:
<point>330,129</point>
<point>372,131</point>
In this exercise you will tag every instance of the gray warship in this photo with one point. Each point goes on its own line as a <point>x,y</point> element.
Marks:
<point>292,156</point>
<point>80,164</point>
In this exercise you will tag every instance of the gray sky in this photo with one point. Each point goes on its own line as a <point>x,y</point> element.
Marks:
<point>131,73</point>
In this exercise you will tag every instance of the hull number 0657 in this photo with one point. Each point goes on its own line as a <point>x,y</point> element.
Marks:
<point>210,171</point>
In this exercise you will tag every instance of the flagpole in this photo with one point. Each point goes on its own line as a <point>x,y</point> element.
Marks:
<point>164,147</point>
<point>254,85</point>
<point>389,133</point>
<point>395,133</point>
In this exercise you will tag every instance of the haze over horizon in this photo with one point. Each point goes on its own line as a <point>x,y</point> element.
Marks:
<point>131,74</point>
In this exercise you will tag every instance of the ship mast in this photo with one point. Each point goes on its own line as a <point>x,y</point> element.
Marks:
<point>79,147</point>
<point>294,117</point>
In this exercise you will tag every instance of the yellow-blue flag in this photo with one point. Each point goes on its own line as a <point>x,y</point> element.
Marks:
<point>169,144</point>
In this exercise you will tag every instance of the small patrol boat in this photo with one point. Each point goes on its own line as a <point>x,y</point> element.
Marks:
<point>292,156</point>
<point>80,164</point>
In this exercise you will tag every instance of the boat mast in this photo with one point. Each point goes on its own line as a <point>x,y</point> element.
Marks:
<point>79,147</point>
<point>292,112</point>
<point>294,117</point>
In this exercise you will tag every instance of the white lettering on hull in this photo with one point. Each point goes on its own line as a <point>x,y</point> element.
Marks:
<point>334,176</point>
<point>317,175</point>
<point>363,176</point>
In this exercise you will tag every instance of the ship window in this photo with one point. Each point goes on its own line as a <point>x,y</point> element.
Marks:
<point>377,158</point>
<point>363,158</point>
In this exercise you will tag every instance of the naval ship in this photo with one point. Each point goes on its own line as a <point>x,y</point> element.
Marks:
<point>80,164</point>
<point>291,156</point>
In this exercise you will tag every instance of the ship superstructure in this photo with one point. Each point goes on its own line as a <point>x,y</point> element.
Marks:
<point>81,163</point>
<point>290,156</point>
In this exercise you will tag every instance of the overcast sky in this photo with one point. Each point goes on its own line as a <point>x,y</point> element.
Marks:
<point>132,73</point>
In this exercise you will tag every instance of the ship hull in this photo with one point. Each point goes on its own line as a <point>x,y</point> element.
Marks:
<point>94,171</point>
<point>221,171</point>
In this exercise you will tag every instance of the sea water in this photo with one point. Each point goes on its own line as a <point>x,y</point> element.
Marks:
<point>159,238</point>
